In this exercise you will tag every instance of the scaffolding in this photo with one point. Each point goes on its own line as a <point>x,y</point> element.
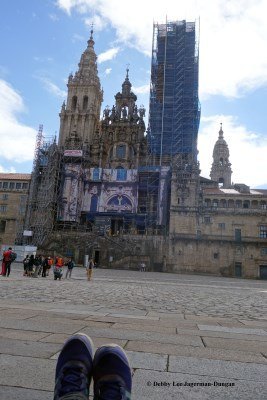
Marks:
<point>174,112</point>
<point>42,204</point>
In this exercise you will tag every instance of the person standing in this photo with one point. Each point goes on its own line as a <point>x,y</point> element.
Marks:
<point>25,264</point>
<point>8,257</point>
<point>30,266</point>
<point>70,264</point>
<point>89,269</point>
<point>45,266</point>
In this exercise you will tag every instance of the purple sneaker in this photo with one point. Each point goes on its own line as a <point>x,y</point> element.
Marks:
<point>74,369</point>
<point>112,374</point>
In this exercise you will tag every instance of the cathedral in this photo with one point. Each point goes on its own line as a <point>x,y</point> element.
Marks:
<point>101,191</point>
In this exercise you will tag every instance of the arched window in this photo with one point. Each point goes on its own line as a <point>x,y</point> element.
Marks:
<point>121,151</point>
<point>221,161</point>
<point>94,201</point>
<point>74,103</point>
<point>85,103</point>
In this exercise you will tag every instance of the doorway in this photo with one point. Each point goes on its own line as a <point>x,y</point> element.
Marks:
<point>238,269</point>
<point>263,271</point>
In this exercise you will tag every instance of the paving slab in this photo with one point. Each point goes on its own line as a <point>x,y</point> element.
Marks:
<point>27,372</point>
<point>146,327</point>
<point>256,323</point>
<point>211,320</point>
<point>165,385</point>
<point>21,334</point>
<point>27,348</point>
<point>122,312</point>
<point>232,344</point>
<point>11,393</point>
<point>245,331</point>
<point>61,338</point>
<point>127,320</point>
<point>42,324</point>
<point>73,312</point>
<point>18,313</point>
<point>146,336</point>
<point>189,351</point>
<point>156,362</point>
<point>225,335</point>
<point>218,368</point>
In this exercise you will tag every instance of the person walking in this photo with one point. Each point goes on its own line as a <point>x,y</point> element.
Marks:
<point>89,269</point>
<point>70,264</point>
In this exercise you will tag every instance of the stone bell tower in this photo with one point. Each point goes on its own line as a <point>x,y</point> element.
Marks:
<point>123,128</point>
<point>79,117</point>
<point>221,167</point>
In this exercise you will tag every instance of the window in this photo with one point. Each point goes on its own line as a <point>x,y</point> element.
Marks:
<point>215,255</point>
<point>5,196</point>
<point>121,174</point>
<point>5,185</point>
<point>11,185</point>
<point>3,208</point>
<point>238,235</point>
<point>2,226</point>
<point>18,185</point>
<point>207,220</point>
<point>96,174</point>
<point>25,185</point>
<point>1,184</point>
<point>74,103</point>
<point>85,103</point>
<point>263,231</point>
<point>121,151</point>
<point>246,204</point>
<point>264,251</point>
<point>221,225</point>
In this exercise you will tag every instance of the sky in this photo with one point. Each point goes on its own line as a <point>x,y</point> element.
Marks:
<point>42,42</point>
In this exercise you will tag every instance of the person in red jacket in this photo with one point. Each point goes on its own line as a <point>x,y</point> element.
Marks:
<point>7,260</point>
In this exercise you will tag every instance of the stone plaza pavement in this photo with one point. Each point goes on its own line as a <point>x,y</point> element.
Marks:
<point>187,336</point>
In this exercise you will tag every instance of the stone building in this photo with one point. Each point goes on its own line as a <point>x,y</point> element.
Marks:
<point>14,189</point>
<point>112,201</point>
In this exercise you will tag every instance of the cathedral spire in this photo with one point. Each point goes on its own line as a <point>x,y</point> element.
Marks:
<point>221,167</point>
<point>82,111</point>
<point>221,132</point>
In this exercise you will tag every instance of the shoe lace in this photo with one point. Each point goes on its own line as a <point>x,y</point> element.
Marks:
<point>111,390</point>
<point>73,379</point>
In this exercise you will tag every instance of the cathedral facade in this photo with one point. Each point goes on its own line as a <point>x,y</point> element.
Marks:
<point>113,202</point>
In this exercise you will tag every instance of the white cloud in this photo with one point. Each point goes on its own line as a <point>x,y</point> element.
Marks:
<point>16,139</point>
<point>52,88</point>
<point>108,71</point>
<point>98,23</point>
<point>233,36</point>
<point>144,89</point>
<point>247,149</point>
<point>7,170</point>
<point>108,55</point>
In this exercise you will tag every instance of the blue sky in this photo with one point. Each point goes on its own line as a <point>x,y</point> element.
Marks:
<point>42,41</point>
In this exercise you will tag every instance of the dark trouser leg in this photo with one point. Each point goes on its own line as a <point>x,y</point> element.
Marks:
<point>8,265</point>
